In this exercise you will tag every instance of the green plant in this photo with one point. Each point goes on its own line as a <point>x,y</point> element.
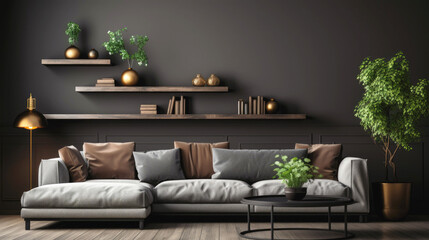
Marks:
<point>295,172</point>
<point>72,32</point>
<point>116,45</point>
<point>391,106</point>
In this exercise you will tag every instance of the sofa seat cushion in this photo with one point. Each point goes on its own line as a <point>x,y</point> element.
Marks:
<point>202,191</point>
<point>90,194</point>
<point>317,187</point>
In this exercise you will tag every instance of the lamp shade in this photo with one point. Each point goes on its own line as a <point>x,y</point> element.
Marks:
<point>30,119</point>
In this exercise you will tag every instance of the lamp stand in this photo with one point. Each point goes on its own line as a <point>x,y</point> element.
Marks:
<point>31,159</point>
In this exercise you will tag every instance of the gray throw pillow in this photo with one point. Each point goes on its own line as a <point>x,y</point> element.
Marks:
<point>249,165</point>
<point>157,166</point>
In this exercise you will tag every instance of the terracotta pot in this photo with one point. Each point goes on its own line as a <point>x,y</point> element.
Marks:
<point>72,52</point>
<point>295,194</point>
<point>129,77</point>
<point>396,200</point>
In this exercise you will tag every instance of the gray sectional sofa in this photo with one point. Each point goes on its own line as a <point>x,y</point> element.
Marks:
<point>58,199</point>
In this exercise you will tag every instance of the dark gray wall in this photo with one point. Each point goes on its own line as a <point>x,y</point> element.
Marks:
<point>304,53</point>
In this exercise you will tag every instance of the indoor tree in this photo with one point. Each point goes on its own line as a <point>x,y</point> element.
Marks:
<point>391,106</point>
<point>116,45</point>
<point>72,32</point>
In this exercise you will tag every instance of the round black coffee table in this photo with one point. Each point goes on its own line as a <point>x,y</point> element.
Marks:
<point>309,201</point>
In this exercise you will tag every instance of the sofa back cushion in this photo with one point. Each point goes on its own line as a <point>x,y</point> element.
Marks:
<point>326,157</point>
<point>249,165</point>
<point>110,160</point>
<point>157,166</point>
<point>76,165</point>
<point>197,161</point>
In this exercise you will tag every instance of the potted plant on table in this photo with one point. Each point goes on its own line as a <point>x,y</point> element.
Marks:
<point>116,45</point>
<point>294,173</point>
<point>72,32</point>
<point>390,110</point>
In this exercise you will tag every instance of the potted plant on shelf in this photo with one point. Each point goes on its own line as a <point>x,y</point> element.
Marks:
<point>72,32</point>
<point>390,110</point>
<point>294,173</point>
<point>116,45</point>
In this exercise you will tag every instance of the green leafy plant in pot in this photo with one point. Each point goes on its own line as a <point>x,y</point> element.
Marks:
<point>390,110</point>
<point>116,45</point>
<point>294,173</point>
<point>72,32</point>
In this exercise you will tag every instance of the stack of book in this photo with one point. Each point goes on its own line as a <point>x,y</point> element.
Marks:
<point>148,109</point>
<point>255,105</point>
<point>176,105</point>
<point>105,82</point>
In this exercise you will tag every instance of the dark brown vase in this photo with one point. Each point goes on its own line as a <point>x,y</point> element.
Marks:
<point>72,52</point>
<point>93,54</point>
<point>295,194</point>
<point>271,106</point>
<point>396,200</point>
<point>129,77</point>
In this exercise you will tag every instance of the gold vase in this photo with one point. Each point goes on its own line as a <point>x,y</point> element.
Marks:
<point>213,80</point>
<point>72,52</point>
<point>129,77</point>
<point>272,106</point>
<point>396,200</point>
<point>93,54</point>
<point>199,81</point>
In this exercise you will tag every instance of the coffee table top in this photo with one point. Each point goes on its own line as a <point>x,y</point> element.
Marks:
<point>308,201</point>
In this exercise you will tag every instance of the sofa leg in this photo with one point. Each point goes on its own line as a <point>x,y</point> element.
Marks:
<point>27,224</point>
<point>141,224</point>
<point>363,218</point>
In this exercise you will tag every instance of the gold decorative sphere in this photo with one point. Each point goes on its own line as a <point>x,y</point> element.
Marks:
<point>72,52</point>
<point>272,106</point>
<point>93,54</point>
<point>199,81</point>
<point>129,77</point>
<point>213,80</point>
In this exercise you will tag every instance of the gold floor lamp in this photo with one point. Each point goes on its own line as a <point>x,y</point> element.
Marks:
<point>30,120</point>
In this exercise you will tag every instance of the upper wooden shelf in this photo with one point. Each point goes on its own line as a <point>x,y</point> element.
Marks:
<point>151,89</point>
<point>97,62</point>
<point>173,116</point>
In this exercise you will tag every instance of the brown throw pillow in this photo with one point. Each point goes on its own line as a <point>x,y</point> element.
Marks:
<point>75,163</point>
<point>196,158</point>
<point>325,156</point>
<point>110,160</point>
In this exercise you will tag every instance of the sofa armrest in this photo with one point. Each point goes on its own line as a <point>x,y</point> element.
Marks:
<point>53,171</point>
<point>353,172</point>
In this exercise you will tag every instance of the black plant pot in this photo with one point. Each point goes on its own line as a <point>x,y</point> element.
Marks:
<point>295,194</point>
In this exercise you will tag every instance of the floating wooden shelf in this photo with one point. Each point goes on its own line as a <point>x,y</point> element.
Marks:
<point>173,116</point>
<point>92,89</point>
<point>98,62</point>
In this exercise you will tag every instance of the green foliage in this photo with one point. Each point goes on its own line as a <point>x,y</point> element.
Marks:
<point>116,45</point>
<point>72,32</point>
<point>295,172</point>
<point>391,106</point>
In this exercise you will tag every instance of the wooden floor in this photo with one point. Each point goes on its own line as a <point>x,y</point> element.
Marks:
<point>12,227</point>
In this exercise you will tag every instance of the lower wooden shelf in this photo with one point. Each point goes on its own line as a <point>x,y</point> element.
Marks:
<point>173,116</point>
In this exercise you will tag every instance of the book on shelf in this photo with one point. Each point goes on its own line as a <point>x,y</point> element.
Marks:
<point>148,109</point>
<point>177,105</point>
<point>250,105</point>
<point>255,105</point>
<point>104,84</point>
<point>148,112</point>
<point>106,80</point>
